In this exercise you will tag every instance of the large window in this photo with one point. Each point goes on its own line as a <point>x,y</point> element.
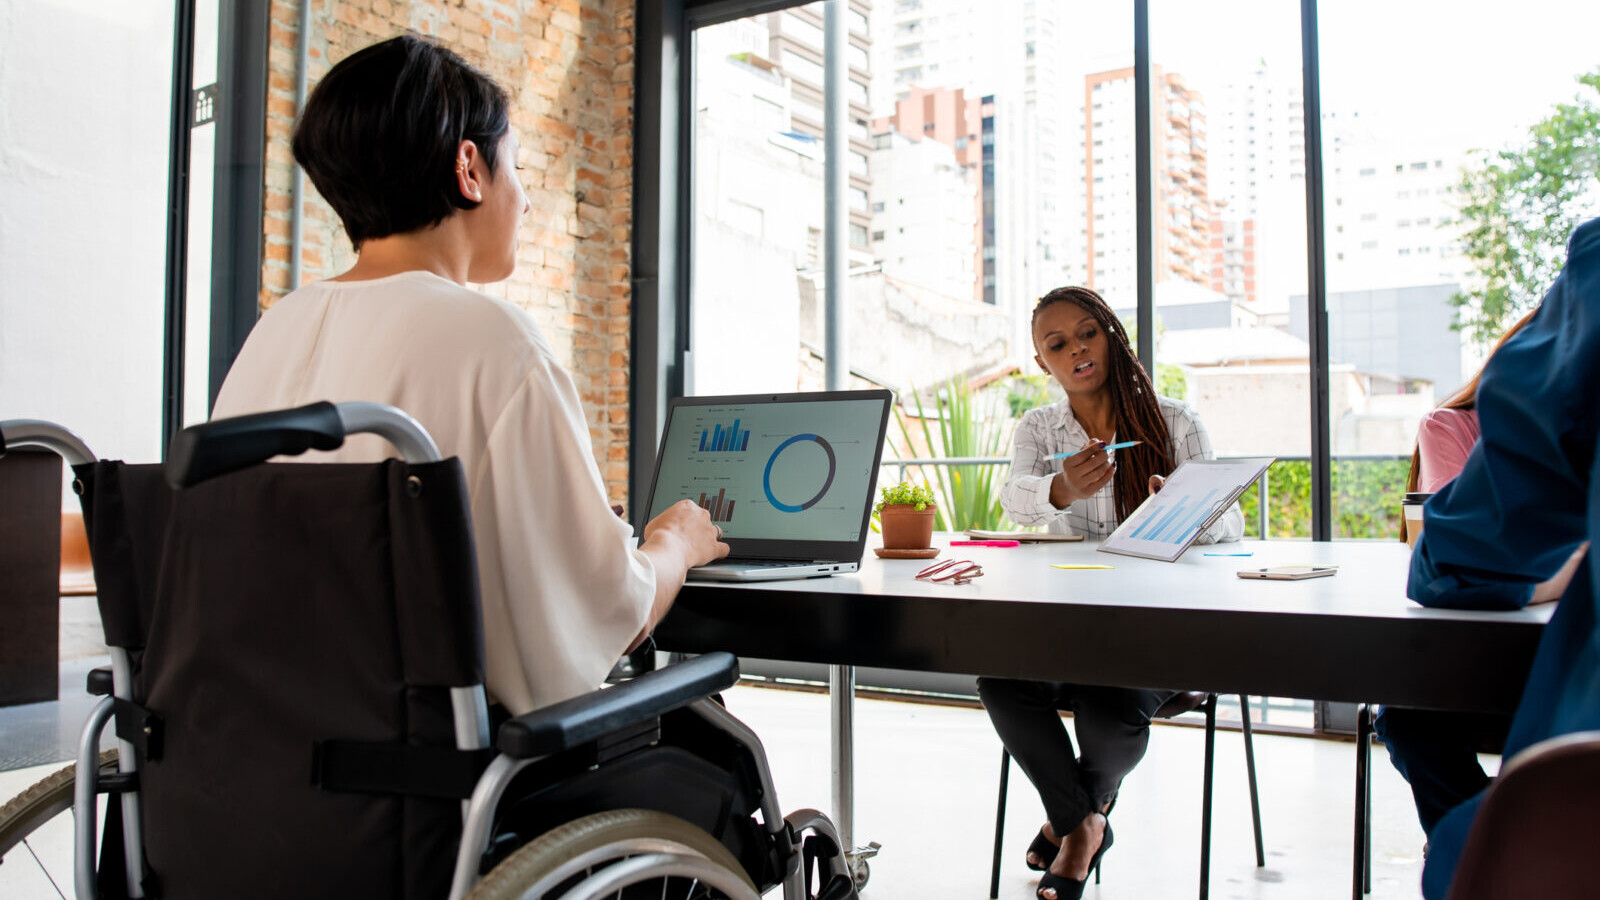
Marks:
<point>1403,143</point>
<point>979,177</point>
<point>86,90</point>
<point>1002,150</point>
<point>1228,207</point>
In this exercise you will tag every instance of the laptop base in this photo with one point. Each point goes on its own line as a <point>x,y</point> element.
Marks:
<point>776,570</point>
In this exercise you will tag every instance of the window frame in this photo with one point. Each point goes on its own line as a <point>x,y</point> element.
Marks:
<point>663,235</point>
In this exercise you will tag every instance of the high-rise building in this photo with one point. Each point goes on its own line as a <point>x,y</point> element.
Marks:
<point>1257,149</point>
<point>1393,217</point>
<point>1181,203</point>
<point>924,220</point>
<point>929,161</point>
<point>796,42</point>
<point>1007,55</point>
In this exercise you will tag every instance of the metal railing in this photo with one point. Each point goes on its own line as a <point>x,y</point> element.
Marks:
<point>1263,485</point>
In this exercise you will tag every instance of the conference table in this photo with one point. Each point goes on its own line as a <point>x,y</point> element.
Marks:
<point>1185,625</point>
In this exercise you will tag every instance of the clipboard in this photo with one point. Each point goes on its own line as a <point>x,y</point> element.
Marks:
<point>1194,496</point>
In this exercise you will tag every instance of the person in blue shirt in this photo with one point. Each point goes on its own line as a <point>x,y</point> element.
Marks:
<point>1513,528</point>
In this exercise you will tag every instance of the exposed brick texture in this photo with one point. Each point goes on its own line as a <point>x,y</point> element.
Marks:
<point>568,65</point>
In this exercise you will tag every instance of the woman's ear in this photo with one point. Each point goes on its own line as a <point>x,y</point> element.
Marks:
<point>1042,367</point>
<point>470,171</point>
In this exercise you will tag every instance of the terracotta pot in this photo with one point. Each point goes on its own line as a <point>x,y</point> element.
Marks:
<point>906,528</point>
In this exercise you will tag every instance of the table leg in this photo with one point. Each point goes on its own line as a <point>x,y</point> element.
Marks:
<point>842,697</point>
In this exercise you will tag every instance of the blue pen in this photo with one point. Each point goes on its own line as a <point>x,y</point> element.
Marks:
<point>1230,554</point>
<point>1120,446</point>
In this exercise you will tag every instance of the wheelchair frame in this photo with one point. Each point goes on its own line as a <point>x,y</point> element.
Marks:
<point>552,729</point>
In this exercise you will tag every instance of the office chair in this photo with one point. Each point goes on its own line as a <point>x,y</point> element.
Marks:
<point>1179,704</point>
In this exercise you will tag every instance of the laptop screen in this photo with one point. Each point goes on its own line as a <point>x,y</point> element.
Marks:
<point>788,475</point>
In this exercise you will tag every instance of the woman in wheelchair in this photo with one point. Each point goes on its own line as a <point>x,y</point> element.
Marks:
<point>299,652</point>
<point>413,149</point>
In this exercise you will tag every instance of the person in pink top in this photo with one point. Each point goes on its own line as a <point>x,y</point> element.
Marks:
<point>1437,752</point>
<point>1444,439</point>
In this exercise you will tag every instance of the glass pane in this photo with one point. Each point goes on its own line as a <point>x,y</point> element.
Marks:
<point>1228,140</point>
<point>86,89</point>
<point>968,199</point>
<point>1400,152</point>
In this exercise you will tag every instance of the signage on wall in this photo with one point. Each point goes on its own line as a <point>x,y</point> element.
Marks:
<point>205,105</point>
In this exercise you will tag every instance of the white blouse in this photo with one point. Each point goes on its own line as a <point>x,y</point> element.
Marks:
<point>1054,429</point>
<point>564,591</point>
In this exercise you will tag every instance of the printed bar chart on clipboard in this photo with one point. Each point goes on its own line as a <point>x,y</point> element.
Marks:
<point>1194,495</point>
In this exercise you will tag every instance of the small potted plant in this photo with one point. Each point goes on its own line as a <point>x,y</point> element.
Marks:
<point>906,512</point>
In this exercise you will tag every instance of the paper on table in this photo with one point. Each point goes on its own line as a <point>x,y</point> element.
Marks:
<point>1027,537</point>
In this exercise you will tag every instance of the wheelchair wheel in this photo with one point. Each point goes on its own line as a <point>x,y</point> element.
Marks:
<point>36,826</point>
<point>622,853</point>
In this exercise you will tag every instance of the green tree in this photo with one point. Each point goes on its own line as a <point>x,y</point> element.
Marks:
<point>1520,205</point>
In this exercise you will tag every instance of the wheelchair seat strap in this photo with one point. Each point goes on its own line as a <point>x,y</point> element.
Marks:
<point>367,767</point>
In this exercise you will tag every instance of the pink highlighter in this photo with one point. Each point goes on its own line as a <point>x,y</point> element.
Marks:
<point>985,543</point>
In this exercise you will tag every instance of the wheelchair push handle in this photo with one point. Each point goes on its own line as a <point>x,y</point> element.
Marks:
<point>201,452</point>
<point>16,434</point>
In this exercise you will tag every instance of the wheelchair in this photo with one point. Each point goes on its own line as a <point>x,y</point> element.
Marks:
<point>296,691</point>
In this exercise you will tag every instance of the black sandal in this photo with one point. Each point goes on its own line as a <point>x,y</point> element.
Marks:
<point>1043,848</point>
<point>1072,888</point>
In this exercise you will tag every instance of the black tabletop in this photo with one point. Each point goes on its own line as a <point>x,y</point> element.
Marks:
<point>1187,625</point>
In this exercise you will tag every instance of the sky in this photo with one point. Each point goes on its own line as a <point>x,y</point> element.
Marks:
<point>1463,73</point>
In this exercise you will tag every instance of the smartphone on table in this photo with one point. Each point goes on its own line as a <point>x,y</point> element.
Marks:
<point>1288,573</point>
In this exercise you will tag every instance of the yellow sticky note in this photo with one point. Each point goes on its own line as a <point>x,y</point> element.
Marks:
<point>1061,566</point>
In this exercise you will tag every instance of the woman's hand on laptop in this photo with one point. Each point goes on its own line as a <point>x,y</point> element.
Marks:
<point>679,539</point>
<point>691,526</point>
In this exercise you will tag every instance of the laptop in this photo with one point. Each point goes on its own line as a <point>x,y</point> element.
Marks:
<point>789,477</point>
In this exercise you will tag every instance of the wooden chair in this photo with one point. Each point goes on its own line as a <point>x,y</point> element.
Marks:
<point>77,574</point>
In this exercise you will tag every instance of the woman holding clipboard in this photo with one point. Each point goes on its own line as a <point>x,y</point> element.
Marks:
<point>1110,400</point>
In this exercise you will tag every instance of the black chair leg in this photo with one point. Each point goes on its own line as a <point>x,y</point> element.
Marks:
<point>1250,770</point>
<point>1360,869</point>
<point>1205,797</point>
<point>1366,805</point>
<point>999,824</point>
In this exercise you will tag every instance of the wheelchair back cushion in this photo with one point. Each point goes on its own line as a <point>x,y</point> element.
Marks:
<point>270,610</point>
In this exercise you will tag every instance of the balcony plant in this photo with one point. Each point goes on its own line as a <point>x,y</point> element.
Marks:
<point>967,426</point>
<point>906,512</point>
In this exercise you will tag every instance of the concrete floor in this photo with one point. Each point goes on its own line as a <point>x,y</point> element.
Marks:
<point>925,789</point>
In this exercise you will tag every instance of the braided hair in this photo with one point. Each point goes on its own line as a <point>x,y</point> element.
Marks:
<point>1133,397</point>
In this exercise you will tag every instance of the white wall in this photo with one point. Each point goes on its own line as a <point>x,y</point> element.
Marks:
<point>84,122</point>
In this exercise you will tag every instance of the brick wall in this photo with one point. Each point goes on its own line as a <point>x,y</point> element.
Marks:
<point>568,65</point>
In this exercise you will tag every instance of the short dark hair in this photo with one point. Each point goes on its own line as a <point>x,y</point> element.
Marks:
<point>379,135</point>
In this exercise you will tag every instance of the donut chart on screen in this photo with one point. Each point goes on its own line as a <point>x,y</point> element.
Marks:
<point>766,477</point>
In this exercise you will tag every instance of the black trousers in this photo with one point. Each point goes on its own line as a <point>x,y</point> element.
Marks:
<point>1113,728</point>
<point>1437,752</point>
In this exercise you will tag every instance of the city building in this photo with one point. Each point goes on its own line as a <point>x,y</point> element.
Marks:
<point>1009,56</point>
<point>1181,202</point>
<point>795,46</point>
<point>1393,216</point>
<point>925,215</point>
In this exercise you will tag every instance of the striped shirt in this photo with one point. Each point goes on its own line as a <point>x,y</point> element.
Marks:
<point>1054,429</point>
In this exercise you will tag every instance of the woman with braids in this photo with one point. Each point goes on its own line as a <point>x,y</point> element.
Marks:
<point>1110,399</point>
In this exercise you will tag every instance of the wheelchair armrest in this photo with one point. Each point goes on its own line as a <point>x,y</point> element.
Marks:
<point>100,684</point>
<point>216,448</point>
<point>580,720</point>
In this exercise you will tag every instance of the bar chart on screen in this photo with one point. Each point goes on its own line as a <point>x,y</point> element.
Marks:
<point>1194,495</point>
<point>724,438</point>
<point>718,505</point>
